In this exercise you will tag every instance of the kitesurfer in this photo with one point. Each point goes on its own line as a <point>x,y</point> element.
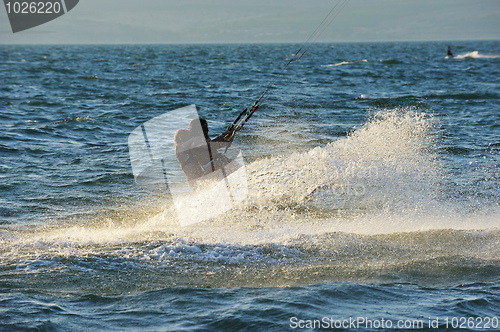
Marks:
<point>448,52</point>
<point>197,154</point>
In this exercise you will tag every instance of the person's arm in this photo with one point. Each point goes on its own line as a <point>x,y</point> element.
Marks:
<point>224,139</point>
<point>226,136</point>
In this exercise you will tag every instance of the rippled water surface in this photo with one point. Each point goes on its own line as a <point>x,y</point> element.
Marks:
<point>373,172</point>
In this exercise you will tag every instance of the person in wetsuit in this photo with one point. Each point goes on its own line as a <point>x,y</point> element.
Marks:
<point>197,154</point>
<point>448,52</point>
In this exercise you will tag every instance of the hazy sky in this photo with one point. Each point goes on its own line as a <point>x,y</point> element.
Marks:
<point>233,21</point>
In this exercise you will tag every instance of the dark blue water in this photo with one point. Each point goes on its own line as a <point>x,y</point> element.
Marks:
<point>373,173</point>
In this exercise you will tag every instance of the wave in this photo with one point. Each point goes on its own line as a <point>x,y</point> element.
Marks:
<point>364,207</point>
<point>476,55</point>
<point>384,177</point>
<point>344,63</point>
<point>161,260</point>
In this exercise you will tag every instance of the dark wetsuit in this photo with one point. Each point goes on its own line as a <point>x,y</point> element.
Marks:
<point>197,153</point>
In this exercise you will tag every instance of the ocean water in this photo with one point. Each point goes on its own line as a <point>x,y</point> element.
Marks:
<point>374,188</point>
